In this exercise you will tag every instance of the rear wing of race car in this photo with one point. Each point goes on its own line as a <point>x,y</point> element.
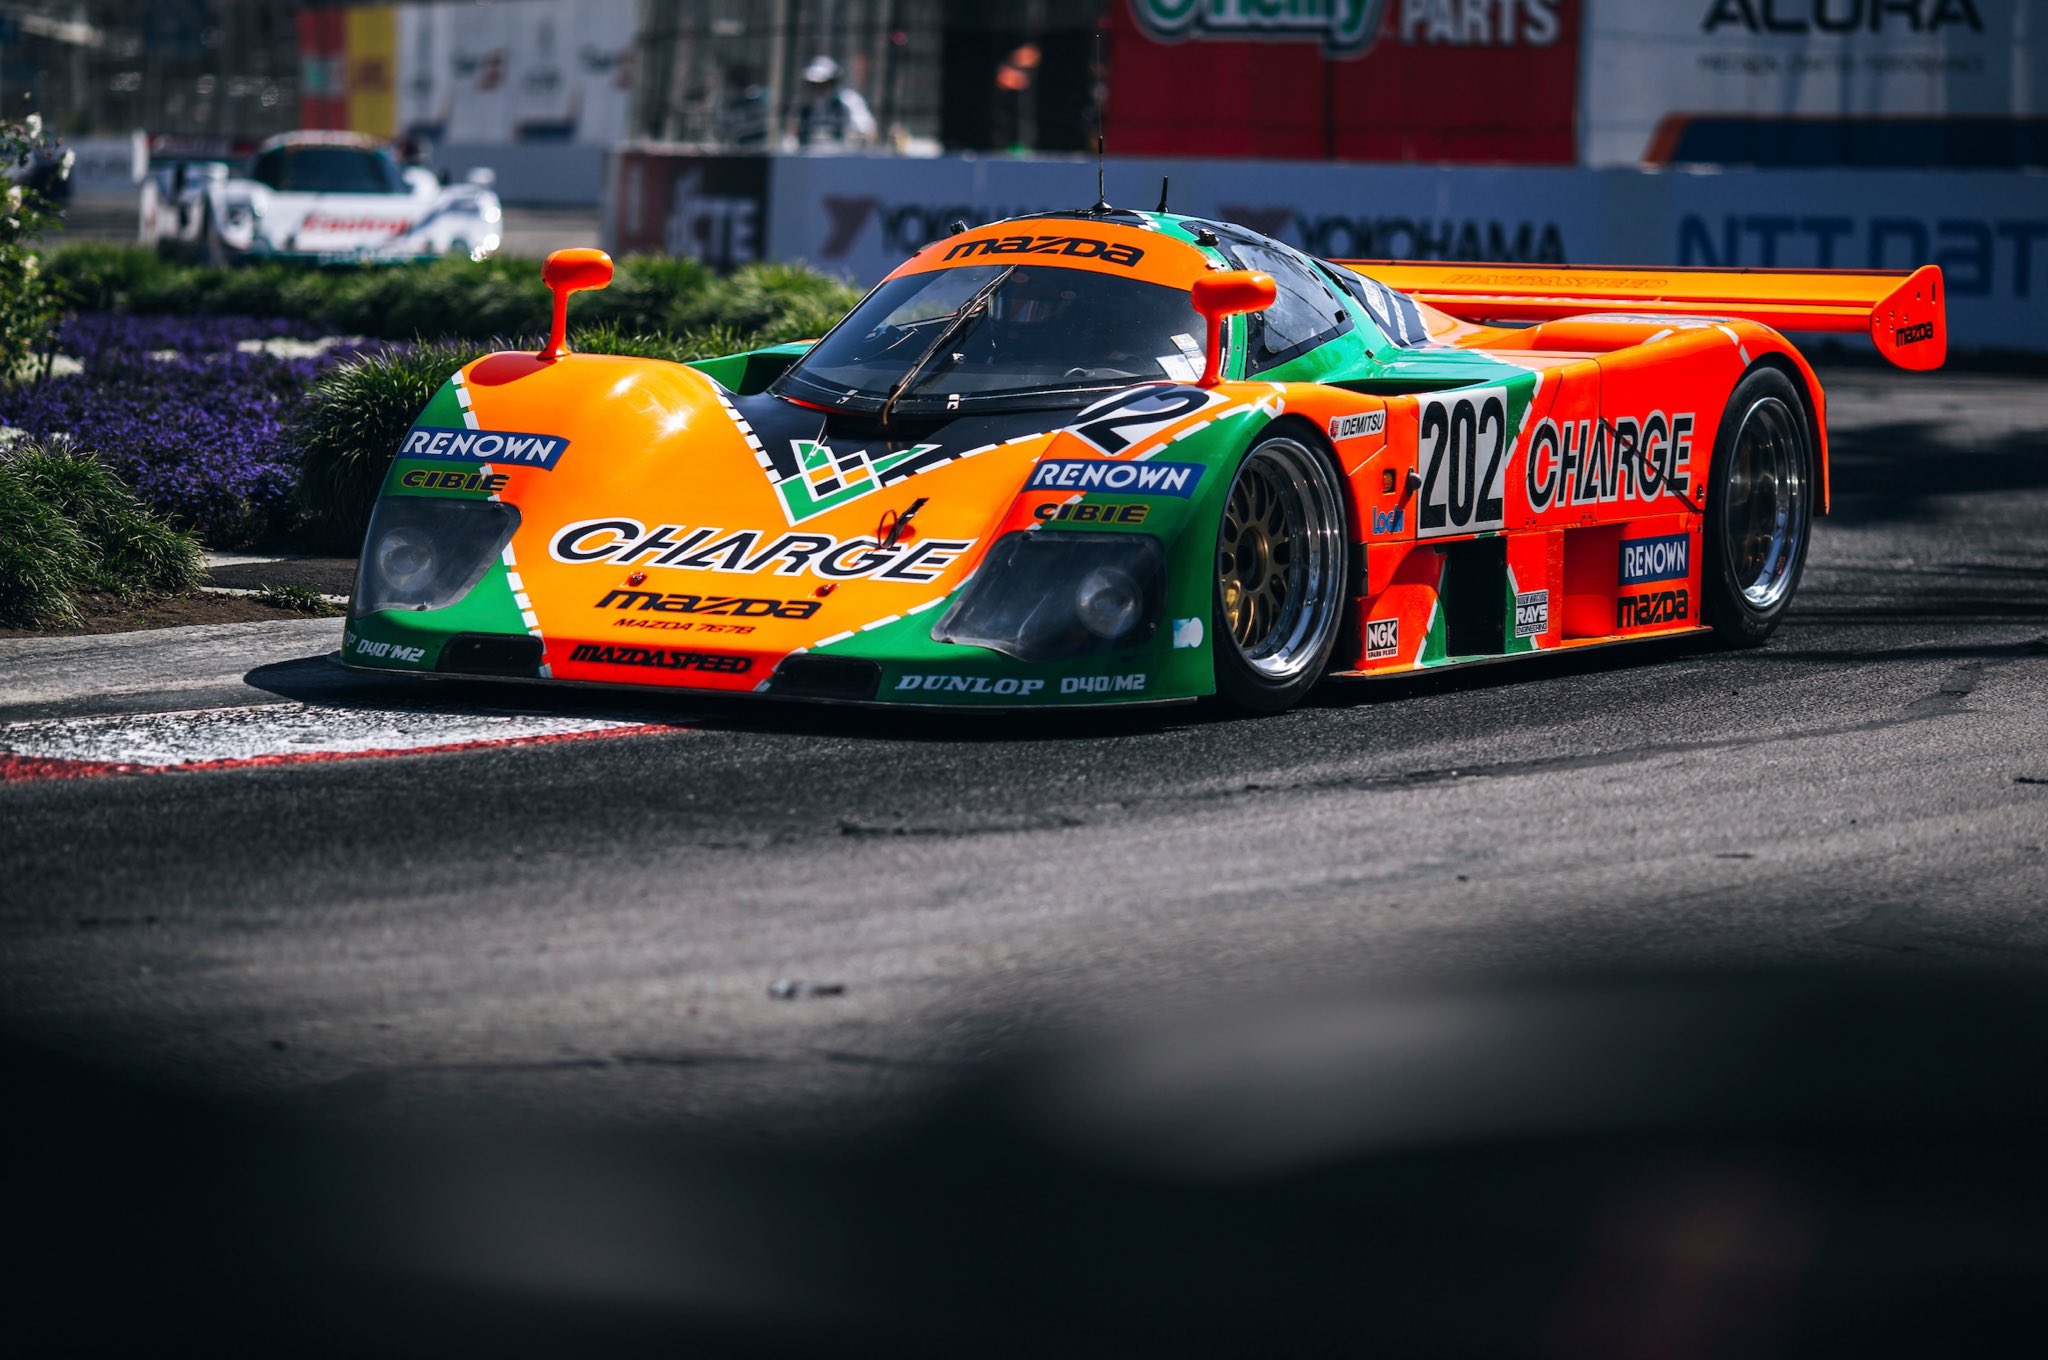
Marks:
<point>1901,312</point>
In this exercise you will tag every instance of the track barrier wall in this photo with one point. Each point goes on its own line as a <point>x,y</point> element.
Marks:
<point>859,216</point>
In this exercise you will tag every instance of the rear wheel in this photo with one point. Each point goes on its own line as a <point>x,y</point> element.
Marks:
<point>1759,508</point>
<point>1280,575</point>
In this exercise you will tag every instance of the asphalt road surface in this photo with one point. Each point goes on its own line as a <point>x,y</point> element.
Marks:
<point>803,921</point>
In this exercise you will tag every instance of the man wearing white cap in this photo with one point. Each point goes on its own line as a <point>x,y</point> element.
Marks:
<point>829,114</point>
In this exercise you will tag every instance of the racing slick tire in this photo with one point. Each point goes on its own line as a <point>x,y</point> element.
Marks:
<point>1759,508</point>
<point>1281,574</point>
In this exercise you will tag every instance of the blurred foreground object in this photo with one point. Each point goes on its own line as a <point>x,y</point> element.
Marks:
<point>1789,1165</point>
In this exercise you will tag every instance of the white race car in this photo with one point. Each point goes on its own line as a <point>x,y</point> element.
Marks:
<point>329,197</point>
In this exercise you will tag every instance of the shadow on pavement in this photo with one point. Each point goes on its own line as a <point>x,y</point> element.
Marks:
<point>1715,1167</point>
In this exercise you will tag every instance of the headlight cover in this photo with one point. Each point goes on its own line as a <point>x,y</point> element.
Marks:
<point>427,552</point>
<point>1048,596</point>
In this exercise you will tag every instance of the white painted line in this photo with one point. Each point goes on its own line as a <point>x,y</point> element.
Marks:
<point>276,731</point>
<point>246,592</point>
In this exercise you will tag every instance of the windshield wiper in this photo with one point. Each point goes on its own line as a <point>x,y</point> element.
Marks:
<point>945,337</point>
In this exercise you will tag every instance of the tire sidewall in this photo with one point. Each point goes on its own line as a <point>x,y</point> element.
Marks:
<point>1237,682</point>
<point>1734,619</point>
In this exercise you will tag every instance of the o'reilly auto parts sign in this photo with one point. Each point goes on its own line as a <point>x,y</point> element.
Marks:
<point>1342,27</point>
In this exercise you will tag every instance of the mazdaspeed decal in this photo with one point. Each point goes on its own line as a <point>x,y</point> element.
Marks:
<point>484,446</point>
<point>660,658</point>
<point>1107,474</point>
<point>814,477</point>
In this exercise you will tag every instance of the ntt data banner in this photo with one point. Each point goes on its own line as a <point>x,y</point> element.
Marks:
<point>1706,80</point>
<point>1988,232</point>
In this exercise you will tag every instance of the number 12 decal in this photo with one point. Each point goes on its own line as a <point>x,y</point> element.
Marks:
<point>1464,453</point>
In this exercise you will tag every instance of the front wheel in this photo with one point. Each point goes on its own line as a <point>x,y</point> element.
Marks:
<point>1280,576</point>
<point>1759,508</point>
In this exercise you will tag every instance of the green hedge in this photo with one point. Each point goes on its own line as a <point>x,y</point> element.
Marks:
<point>356,414</point>
<point>452,298</point>
<point>68,524</point>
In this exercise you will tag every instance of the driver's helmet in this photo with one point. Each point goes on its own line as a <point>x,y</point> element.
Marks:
<point>1037,297</point>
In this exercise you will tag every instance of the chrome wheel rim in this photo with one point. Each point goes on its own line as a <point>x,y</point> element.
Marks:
<point>1765,523</point>
<point>1278,553</point>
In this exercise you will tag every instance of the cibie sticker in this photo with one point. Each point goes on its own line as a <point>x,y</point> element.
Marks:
<point>483,446</point>
<point>1358,425</point>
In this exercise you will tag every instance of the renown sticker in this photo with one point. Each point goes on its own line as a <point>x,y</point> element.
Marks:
<point>483,446</point>
<point>1668,557</point>
<point>1103,474</point>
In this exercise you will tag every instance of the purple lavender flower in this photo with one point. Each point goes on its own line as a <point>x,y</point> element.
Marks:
<point>194,424</point>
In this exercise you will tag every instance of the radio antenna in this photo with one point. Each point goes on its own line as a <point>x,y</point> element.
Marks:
<point>1164,181</point>
<point>1101,200</point>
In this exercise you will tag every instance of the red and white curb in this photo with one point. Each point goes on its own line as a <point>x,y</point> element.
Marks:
<point>272,734</point>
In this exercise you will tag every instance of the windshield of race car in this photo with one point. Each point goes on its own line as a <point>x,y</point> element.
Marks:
<point>328,170</point>
<point>1042,335</point>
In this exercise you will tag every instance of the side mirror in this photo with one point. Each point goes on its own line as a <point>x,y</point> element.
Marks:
<point>1220,296</point>
<point>566,272</point>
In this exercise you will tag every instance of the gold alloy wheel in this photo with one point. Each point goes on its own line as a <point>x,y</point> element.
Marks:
<point>1278,554</point>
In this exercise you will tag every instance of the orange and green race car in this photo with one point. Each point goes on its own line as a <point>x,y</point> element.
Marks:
<point>1111,457</point>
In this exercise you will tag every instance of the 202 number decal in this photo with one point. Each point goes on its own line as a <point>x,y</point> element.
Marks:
<point>1464,451</point>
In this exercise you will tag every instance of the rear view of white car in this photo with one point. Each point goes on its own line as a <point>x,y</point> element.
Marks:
<point>327,197</point>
